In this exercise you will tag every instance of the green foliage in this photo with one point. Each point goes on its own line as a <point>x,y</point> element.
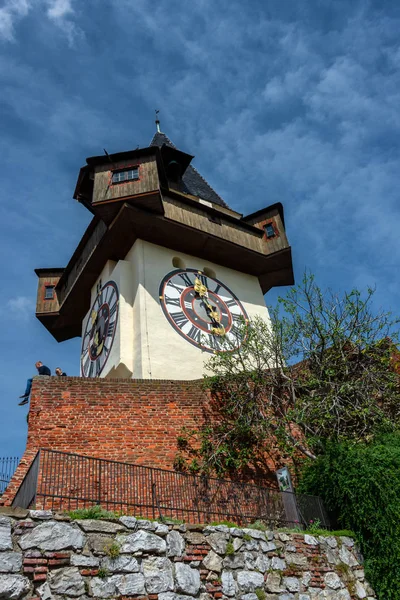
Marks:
<point>259,525</point>
<point>342,569</point>
<point>114,550</point>
<point>260,593</point>
<point>247,537</point>
<point>344,388</point>
<point>314,527</point>
<point>227,523</point>
<point>103,573</point>
<point>230,550</point>
<point>94,512</point>
<point>360,486</point>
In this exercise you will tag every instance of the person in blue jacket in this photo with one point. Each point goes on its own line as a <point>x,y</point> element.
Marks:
<point>42,370</point>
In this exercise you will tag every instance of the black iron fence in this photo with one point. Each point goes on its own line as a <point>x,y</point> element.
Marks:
<point>8,464</point>
<point>62,481</point>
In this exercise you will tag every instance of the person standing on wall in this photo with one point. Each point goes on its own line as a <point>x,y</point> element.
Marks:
<point>59,372</point>
<point>42,370</point>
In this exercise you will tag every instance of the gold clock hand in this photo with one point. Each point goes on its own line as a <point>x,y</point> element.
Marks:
<point>218,330</point>
<point>200,288</point>
<point>215,317</point>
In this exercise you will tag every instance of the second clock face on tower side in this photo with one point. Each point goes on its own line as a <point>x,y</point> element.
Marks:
<point>203,310</point>
<point>100,330</point>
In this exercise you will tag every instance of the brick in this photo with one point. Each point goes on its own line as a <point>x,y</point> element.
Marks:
<point>39,577</point>
<point>35,561</point>
<point>41,569</point>
<point>92,417</point>
<point>58,562</point>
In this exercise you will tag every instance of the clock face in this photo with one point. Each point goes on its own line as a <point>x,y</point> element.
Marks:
<point>202,310</point>
<point>100,329</point>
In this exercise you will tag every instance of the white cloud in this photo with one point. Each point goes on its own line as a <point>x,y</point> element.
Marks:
<point>20,308</point>
<point>57,11</point>
<point>12,11</point>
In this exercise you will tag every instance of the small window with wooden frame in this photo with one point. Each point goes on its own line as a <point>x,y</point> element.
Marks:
<point>125,175</point>
<point>270,230</point>
<point>49,291</point>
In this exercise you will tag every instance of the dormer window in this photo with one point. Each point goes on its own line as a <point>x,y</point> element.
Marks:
<point>269,230</point>
<point>49,292</point>
<point>125,175</point>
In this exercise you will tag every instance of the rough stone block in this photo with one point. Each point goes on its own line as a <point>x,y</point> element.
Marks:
<point>187,579</point>
<point>248,581</point>
<point>53,536</point>
<point>218,542</point>
<point>81,560</point>
<point>129,522</point>
<point>158,575</point>
<point>67,582</point>
<point>97,526</point>
<point>5,533</point>
<point>13,587</point>
<point>10,562</point>
<point>213,562</point>
<point>175,544</point>
<point>143,541</point>
<point>43,515</point>
<point>228,584</point>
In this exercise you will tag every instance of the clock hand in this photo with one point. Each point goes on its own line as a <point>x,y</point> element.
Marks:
<point>215,317</point>
<point>200,288</point>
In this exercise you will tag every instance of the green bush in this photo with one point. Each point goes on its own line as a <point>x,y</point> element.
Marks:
<point>94,512</point>
<point>360,486</point>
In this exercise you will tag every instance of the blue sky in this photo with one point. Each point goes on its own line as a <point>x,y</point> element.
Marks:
<point>296,102</point>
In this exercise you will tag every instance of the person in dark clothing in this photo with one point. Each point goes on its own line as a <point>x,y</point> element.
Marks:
<point>60,372</point>
<point>42,370</point>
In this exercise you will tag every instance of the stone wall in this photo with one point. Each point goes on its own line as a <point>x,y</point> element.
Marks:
<point>48,557</point>
<point>134,421</point>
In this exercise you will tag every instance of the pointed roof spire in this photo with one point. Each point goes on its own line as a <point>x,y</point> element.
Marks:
<point>193,182</point>
<point>157,122</point>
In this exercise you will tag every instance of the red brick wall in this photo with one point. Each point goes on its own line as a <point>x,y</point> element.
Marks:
<point>128,420</point>
<point>134,421</point>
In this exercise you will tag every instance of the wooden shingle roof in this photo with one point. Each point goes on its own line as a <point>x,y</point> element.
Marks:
<point>192,182</point>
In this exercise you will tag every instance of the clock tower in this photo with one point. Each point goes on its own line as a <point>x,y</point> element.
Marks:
<point>165,271</point>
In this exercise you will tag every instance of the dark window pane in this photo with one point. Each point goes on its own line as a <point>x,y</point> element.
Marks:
<point>49,292</point>
<point>125,175</point>
<point>269,230</point>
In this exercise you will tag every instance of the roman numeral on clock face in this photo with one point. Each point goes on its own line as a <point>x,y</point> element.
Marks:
<point>217,289</point>
<point>203,279</point>
<point>186,279</point>
<point>231,302</point>
<point>195,334</point>
<point>100,327</point>
<point>111,329</point>
<point>98,367</point>
<point>237,318</point>
<point>172,301</point>
<point>194,313</point>
<point>235,331</point>
<point>180,318</point>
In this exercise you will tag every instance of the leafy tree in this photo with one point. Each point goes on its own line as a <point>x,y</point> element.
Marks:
<point>360,485</point>
<point>323,371</point>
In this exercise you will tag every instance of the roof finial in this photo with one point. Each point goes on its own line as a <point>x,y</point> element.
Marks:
<point>158,122</point>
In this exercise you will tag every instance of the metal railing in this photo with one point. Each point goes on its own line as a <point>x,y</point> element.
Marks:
<point>8,464</point>
<point>62,481</point>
